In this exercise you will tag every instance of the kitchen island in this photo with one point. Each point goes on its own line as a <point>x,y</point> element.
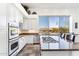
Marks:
<point>55,42</point>
<point>54,46</point>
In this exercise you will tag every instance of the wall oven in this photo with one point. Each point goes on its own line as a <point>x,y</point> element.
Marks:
<point>13,38</point>
<point>13,45</point>
<point>13,31</point>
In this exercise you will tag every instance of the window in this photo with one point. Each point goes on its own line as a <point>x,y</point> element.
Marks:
<point>64,24</point>
<point>54,24</point>
<point>44,24</point>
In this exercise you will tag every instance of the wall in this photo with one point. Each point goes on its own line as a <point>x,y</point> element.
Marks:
<point>3,30</point>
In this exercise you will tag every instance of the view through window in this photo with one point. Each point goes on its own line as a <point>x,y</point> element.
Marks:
<point>54,24</point>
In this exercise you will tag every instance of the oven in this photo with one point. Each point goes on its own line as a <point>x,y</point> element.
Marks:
<point>13,31</point>
<point>13,38</point>
<point>13,45</point>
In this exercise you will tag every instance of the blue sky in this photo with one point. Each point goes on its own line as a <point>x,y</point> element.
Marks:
<point>43,22</point>
<point>53,21</point>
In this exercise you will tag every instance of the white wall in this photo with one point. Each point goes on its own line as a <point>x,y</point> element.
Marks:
<point>3,30</point>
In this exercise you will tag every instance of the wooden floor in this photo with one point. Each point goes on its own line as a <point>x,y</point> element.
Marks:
<point>30,50</point>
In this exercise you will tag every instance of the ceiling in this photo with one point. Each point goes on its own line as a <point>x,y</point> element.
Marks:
<point>52,5</point>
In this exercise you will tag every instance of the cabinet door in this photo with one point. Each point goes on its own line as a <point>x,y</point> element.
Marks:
<point>33,24</point>
<point>29,39</point>
<point>30,24</point>
<point>24,41</point>
<point>44,46</point>
<point>26,24</point>
<point>20,43</point>
<point>64,44</point>
<point>11,13</point>
<point>53,45</point>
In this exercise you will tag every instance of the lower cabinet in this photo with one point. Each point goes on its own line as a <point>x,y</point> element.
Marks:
<point>44,46</point>
<point>22,43</point>
<point>53,45</point>
<point>29,39</point>
<point>49,45</point>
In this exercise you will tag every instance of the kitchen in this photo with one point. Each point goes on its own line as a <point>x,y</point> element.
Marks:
<point>20,28</point>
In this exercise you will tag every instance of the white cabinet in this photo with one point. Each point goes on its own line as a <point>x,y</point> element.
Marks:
<point>31,24</point>
<point>22,43</point>
<point>29,39</point>
<point>34,24</point>
<point>26,24</point>
<point>53,45</point>
<point>25,40</point>
<point>44,46</point>
<point>64,44</point>
<point>14,15</point>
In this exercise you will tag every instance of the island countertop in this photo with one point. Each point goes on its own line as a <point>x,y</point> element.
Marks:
<point>59,49</point>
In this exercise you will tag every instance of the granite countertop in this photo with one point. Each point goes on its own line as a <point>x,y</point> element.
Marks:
<point>28,32</point>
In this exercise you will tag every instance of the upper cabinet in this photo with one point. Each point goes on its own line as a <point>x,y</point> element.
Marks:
<point>16,13</point>
<point>31,23</point>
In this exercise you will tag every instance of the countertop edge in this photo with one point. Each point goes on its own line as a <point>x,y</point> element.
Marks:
<point>59,49</point>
